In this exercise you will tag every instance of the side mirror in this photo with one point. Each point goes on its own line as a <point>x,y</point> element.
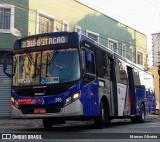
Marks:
<point>5,57</point>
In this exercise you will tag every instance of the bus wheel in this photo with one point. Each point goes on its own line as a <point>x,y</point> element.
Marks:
<point>107,115</point>
<point>141,118</point>
<point>133,119</point>
<point>99,120</point>
<point>143,114</point>
<point>47,123</point>
<point>103,118</point>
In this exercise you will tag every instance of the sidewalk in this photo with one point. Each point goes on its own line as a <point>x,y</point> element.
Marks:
<point>8,122</point>
<point>152,117</point>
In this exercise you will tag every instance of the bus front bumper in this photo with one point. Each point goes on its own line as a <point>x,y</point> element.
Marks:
<point>73,109</point>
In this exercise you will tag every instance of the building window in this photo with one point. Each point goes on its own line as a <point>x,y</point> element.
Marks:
<point>140,58</point>
<point>6,18</point>
<point>65,26</point>
<point>78,29</point>
<point>113,45</point>
<point>124,50</point>
<point>92,35</point>
<point>45,23</point>
<point>120,48</point>
<point>130,53</point>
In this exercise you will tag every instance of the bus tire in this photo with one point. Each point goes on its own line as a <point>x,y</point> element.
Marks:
<point>47,123</point>
<point>143,114</point>
<point>141,118</point>
<point>103,119</point>
<point>133,119</point>
<point>98,120</point>
<point>106,114</point>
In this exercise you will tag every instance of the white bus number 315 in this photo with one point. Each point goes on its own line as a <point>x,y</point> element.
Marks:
<point>58,100</point>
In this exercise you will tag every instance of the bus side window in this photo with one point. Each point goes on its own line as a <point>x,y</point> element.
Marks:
<point>121,72</point>
<point>136,77</point>
<point>89,62</point>
<point>102,66</point>
<point>106,66</point>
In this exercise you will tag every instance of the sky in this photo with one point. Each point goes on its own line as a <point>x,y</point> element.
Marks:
<point>141,15</point>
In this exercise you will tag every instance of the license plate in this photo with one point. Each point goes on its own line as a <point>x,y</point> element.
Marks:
<point>39,110</point>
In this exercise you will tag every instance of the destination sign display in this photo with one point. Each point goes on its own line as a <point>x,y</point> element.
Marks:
<point>45,40</point>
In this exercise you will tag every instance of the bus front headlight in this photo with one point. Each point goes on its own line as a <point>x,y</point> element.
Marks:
<point>72,98</point>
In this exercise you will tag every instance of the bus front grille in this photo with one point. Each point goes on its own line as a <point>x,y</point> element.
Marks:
<point>47,92</point>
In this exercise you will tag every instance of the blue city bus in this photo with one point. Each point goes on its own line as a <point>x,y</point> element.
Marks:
<point>63,76</point>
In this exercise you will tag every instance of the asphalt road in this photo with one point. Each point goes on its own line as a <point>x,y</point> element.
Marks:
<point>83,131</point>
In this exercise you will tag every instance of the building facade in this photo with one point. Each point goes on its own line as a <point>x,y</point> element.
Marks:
<point>12,16</point>
<point>34,17</point>
<point>156,49</point>
<point>156,65</point>
<point>71,15</point>
<point>154,71</point>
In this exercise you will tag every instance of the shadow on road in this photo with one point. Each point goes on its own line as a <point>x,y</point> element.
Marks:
<point>75,127</point>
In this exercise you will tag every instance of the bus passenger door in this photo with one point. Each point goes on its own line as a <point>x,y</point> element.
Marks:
<point>114,99</point>
<point>90,85</point>
<point>131,91</point>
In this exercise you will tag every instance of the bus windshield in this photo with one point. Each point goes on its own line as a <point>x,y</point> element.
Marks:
<point>46,67</point>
